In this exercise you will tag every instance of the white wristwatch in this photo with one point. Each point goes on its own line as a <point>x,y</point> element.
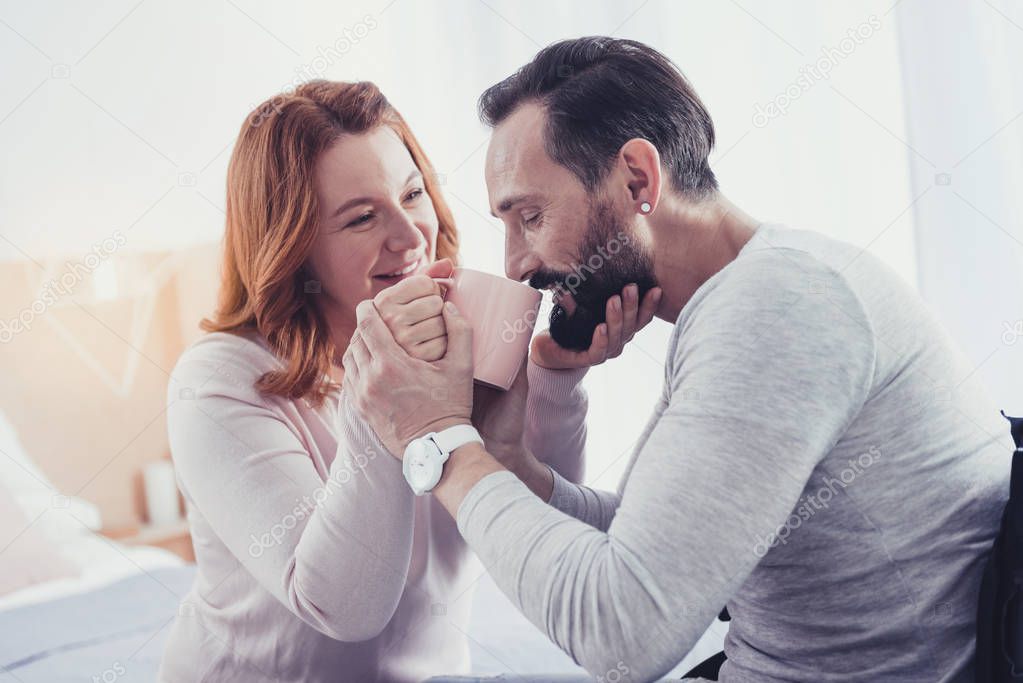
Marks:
<point>424,458</point>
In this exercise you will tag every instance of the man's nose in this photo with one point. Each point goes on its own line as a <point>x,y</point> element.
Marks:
<point>519,261</point>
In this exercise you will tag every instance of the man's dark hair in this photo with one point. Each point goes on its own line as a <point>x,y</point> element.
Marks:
<point>599,93</point>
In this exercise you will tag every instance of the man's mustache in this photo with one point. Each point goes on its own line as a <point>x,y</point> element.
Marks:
<point>542,279</point>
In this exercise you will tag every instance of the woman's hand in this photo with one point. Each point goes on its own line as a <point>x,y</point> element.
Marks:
<point>412,311</point>
<point>625,316</point>
<point>401,397</point>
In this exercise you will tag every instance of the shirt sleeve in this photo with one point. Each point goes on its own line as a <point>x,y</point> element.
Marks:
<point>335,552</point>
<point>592,506</point>
<point>555,428</point>
<point>767,370</point>
<point>556,434</point>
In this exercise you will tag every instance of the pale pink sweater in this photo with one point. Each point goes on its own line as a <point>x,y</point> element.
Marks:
<point>315,560</point>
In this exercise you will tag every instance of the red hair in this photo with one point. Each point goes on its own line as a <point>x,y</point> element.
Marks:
<point>272,222</point>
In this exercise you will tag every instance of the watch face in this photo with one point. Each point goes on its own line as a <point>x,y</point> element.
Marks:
<point>416,451</point>
<point>418,465</point>
<point>419,475</point>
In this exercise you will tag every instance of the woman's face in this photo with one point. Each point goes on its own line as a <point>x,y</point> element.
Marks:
<point>377,225</point>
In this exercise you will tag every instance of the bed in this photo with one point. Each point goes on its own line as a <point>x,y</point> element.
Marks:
<point>106,626</point>
<point>113,628</point>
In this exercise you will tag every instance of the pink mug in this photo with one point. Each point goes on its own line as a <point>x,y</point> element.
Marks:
<point>502,313</point>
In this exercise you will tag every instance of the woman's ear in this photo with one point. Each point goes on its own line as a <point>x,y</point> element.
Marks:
<point>640,164</point>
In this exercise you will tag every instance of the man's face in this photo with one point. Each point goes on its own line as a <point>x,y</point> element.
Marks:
<point>559,236</point>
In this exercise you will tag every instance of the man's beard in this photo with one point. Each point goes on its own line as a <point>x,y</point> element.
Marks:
<point>608,260</point>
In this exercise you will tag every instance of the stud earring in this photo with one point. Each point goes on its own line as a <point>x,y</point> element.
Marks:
<point>645,207</point>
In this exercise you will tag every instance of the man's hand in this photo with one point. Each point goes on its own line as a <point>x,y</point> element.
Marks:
<point>412,311</point>
<point>402,397</point>
<point>625,316</point>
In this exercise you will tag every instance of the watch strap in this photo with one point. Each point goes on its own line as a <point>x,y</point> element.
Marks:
<point>453,437</point>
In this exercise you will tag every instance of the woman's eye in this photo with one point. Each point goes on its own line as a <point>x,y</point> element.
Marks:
<point>361,220</point>
<point>414,194</point>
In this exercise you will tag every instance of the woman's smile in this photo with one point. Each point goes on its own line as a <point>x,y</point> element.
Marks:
<point>396,275</point>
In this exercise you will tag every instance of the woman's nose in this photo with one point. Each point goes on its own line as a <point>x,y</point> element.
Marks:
<point>404,233</point>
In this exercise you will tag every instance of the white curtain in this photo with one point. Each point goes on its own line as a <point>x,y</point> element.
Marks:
<point>963,88</point>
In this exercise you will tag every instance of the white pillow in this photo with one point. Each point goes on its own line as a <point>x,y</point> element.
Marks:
<point>66,519</point>
<point>30,557</point>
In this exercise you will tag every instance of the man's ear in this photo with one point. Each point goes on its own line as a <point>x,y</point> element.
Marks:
<point>640,165</point>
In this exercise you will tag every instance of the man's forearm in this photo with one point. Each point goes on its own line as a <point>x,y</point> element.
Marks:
<point>530,471</point>
<point>472,462</point>
<point>464,468</point>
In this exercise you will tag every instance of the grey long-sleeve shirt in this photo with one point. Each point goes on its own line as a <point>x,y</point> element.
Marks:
<point>821,459</point>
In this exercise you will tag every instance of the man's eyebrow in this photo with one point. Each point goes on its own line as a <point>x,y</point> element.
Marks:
<point>365,200</point>
<point>508,203</point>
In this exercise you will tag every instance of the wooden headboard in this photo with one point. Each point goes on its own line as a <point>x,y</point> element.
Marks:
<point>85,369</point>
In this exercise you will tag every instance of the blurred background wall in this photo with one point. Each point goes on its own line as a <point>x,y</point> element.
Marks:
<point>893,125</point>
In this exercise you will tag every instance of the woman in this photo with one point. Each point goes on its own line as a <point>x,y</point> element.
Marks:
<point>315,560</point>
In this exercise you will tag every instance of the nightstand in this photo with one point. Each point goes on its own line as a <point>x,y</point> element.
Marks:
<point>172,537</point>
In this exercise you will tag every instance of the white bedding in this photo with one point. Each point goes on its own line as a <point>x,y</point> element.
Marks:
<point>104,562</point>
<point>71,524</point>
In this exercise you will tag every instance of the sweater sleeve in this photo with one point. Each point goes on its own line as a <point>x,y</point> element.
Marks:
<point>765,374</point>
<point>556,435</point>
<point>555,429</point>
<point>335,552</point>
<point>593,506</point>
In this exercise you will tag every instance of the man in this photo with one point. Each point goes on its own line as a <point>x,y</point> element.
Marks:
<point>820,459</point>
